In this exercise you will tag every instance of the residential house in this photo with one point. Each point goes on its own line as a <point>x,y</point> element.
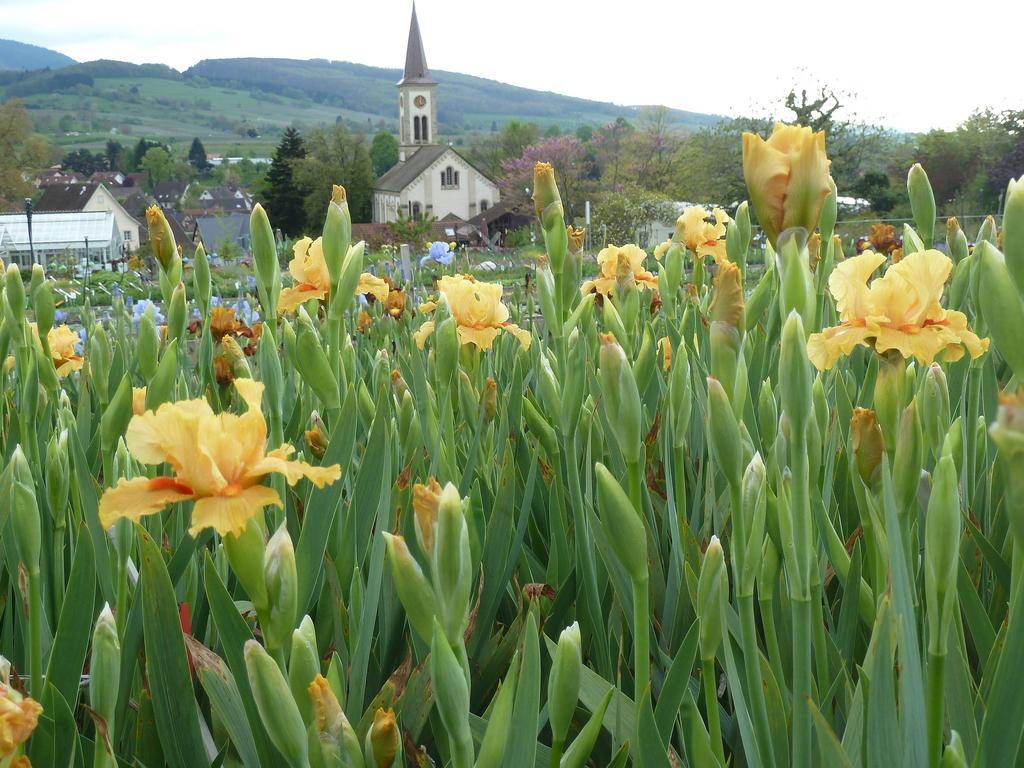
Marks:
<point>169,194</point>
<point>56,176</point>
<point>110,178</point>
<point>79,236</point>
<point>91,197</point>
<point>220,235</point>
<point>222,200</point>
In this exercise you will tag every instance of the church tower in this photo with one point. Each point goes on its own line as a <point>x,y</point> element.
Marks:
<point>417,102</point>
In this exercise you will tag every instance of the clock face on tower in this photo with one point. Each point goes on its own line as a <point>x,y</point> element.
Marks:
<point>419,101</point>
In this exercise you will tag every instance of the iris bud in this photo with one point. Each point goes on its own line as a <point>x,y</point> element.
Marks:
<point>382,740</point>
<point>337,235</point>
<point>922,203</point>
<point>278,710</point>
<point>623,526</point>
<point>564,682</point>
<point>711,589</point>
<point>412,586</point>
<point>201,280</point>
<point>303,667</point>
<point>1013,231</point>
<point>264,259</point>
<point>622,398</point>
<point>104,677</point>
<point>1003,308</point>
<point>282,589</point>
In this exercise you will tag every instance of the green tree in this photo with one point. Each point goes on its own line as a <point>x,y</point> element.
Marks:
<point>23,153</point>
<point>383,152</point>
<point>877,189</point>
<point>85,162</point>
<point>197,156</point>
<point>283,198</point>
<point>517,136</point>
<point>335,156</point>
<point>115,155</point>
<point>626,216</point>
<point>713,163</point>
<point>158,165</point>
<point>139,152</point>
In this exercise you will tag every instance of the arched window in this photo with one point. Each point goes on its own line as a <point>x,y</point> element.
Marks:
<point>426,137</point>
<point>449,178</point>
<point>415,128</point>
<point>483,205</point>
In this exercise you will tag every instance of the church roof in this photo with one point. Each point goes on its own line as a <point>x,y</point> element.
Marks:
<point>402,175</point>
<point>416,72</point>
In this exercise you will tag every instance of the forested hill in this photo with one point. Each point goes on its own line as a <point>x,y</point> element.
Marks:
<point>466,101</point>
<point>15,55</point>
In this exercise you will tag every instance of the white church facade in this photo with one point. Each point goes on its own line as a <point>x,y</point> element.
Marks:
<point>431,179</point>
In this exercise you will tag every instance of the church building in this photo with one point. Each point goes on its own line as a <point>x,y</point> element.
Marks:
<point>431,179</point>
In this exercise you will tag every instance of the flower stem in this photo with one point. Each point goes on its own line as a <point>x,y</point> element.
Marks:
<point>707,673</point>
<point>641,638</point>
<point>801,683</point>
<point>755,688</point>
<point>935,713</point>
<point>35,629</point>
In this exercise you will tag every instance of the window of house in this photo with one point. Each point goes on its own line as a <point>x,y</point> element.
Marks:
<point>416,211</point>
<point>127,235</point>
<point>484,205</point>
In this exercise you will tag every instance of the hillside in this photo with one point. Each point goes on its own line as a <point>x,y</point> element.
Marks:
<point>23,56</point>
<point>466,102</point>
<point>242,105</point>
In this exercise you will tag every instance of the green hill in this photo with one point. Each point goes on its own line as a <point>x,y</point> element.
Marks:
<point>242,105</point>
<point>23,56</point>
<point>465,102</point>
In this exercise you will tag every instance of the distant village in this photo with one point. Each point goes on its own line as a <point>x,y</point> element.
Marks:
<point>100,219</point>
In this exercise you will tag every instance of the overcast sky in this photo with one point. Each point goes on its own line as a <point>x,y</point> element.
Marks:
<point>910,64</point>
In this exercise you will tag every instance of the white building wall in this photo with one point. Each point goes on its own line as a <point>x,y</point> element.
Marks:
<point>103,200</point>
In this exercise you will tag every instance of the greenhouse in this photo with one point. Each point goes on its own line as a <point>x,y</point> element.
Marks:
<point>79,235</point>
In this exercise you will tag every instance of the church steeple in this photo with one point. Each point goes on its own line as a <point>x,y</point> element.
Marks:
<point>417,104</point>
<point>415,60</point>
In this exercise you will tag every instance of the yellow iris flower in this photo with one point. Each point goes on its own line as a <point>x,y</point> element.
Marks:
<point>626,264</point>
<point>787,177</point>
<point>218,460</point>
<point>309,271</point>
<point>62,341</point>
<point>702,237</point>
<point>18,718</point>
<point>899,311</point>
<point>478,310</point>
<point>373,286</point>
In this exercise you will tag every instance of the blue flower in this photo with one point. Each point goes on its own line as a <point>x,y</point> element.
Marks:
<point>439,252</point>
<point>140,308</point>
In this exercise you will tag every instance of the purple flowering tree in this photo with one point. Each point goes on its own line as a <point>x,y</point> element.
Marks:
<point>569,157</point>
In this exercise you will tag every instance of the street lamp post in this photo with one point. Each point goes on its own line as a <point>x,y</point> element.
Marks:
<point>28,218</point>
<point>87,268</point>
